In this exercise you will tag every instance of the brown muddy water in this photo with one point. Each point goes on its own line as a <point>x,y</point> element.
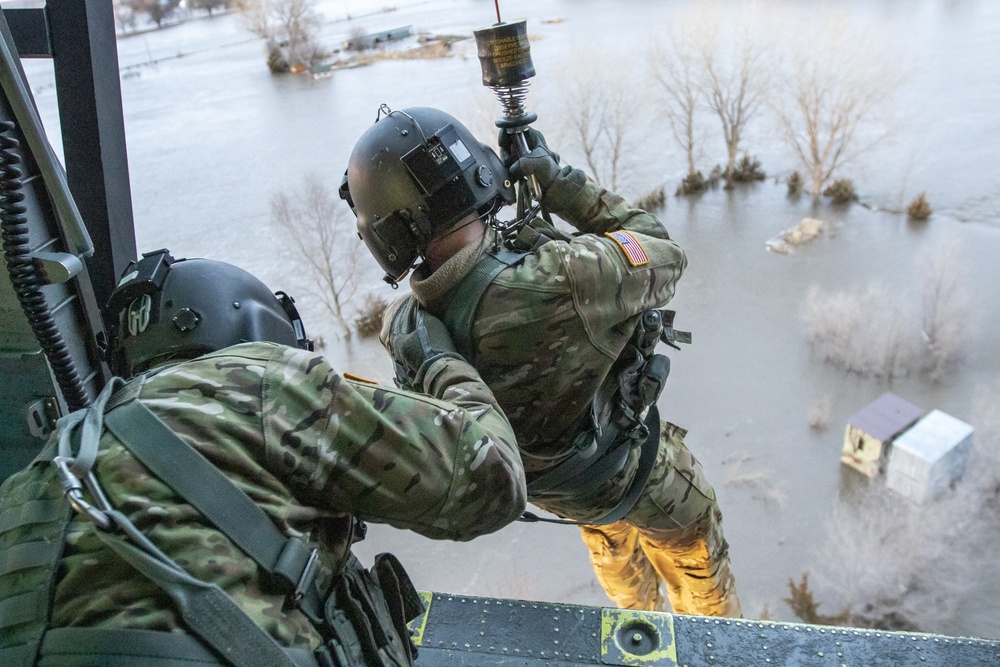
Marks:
<point>211,136</point>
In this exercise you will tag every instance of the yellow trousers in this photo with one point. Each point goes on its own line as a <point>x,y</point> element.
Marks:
<point>630,563</point>
<point>672,535</point>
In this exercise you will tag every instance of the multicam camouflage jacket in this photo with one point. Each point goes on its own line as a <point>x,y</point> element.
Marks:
<point>548,329</point>
<point>311,448</point>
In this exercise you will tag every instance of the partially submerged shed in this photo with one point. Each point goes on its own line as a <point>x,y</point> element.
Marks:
<point>873,428</point>
<point>927,458</point>
<point>371,40</point>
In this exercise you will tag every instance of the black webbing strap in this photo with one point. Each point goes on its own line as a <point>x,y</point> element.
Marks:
<point>580,474</point>
<point>208,612</point>
<point>203,486</point>
<point>76,647</point>
<point>647,459</point>
<point>463,299</point>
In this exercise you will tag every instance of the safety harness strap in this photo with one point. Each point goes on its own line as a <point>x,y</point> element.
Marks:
<point>647,459</point>
<point>463,299</point>
<point>206,609</point>
<point>231,511</point>
<point>73,647</point>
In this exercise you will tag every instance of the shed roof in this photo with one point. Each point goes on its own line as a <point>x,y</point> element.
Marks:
<point>886,416</point>
<point>934,436</point>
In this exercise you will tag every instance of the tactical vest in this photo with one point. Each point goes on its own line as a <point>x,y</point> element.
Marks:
<point>616,426</point>
<point>362,616</point>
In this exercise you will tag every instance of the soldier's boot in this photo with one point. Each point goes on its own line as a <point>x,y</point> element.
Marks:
<point>696,570</point>
<point>621,566</point>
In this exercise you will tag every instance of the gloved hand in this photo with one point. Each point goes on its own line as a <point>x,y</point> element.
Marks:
<point>539,162</point>
<point>416,340</point>
<point>534,139</point>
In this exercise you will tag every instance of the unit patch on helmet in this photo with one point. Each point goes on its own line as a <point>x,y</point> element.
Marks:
<point>138,314</point>
<point>630,246</point>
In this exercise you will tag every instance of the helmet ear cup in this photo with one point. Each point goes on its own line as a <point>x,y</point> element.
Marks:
<point>195,306</point>
<point>414,174</point>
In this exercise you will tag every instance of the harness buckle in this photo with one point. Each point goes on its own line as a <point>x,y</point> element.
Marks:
<point>73,490</point>
<point>306,579</point>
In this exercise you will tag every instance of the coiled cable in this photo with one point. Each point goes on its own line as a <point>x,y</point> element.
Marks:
<point>27,278</point>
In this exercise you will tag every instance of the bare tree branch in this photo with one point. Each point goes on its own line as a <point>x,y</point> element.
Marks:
<point>323,235</point>
<point>835,85</point>
<point>292,24</point>
<point>734,81</point>
<point>675,68</point>
<point>598,113</point>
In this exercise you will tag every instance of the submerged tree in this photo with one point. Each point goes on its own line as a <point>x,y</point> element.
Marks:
<point>677,73</point>
<point>735,83</point>
<point>124,15</point>
<point>208,5</point>
<point>322,232</point>
<point>946,309</point>
<point>598,117</point>
<point>834,86</point>
<point>156,9</point>
<point>290,26</point>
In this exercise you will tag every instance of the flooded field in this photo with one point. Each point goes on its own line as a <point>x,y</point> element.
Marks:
<point>212,135</point>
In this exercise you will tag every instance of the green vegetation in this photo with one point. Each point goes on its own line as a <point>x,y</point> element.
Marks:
<point>795,184</point>
<point>841,191</point>
<point>919,209</point>
<point>748,169</point>
<point>368,322</point>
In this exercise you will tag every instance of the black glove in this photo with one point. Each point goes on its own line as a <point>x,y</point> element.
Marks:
<point>416,340</point>
<point>539,162</point>
<point>532,137</point>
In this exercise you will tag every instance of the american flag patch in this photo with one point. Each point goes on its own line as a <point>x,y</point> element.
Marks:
<point>633,251</point>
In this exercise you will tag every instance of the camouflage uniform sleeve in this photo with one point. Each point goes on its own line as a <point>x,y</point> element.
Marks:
<point>580,201</point>
<point>609,287</point>
<point>444,465</point>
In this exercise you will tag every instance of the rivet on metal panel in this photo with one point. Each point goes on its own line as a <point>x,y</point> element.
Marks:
<point>637,638</point>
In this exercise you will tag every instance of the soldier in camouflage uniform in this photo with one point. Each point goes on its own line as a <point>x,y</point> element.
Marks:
<point>548,330</point>
<point>317,451</point>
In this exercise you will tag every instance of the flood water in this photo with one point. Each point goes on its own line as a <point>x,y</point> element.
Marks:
<point>212,135</point>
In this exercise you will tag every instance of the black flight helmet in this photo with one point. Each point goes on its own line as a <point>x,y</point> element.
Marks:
<point>168,308</point>
<point>414,174</point>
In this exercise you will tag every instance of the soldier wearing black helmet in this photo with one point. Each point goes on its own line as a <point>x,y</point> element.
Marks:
<point>562,329</point>
<point>217,490</point>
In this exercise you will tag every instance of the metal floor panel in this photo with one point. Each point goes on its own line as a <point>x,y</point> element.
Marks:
<point>460,631</point>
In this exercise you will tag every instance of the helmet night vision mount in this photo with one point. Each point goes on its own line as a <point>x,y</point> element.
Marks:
<point>183,308</point>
